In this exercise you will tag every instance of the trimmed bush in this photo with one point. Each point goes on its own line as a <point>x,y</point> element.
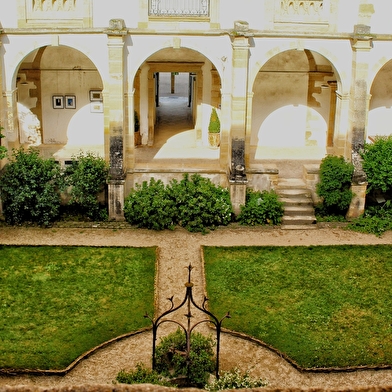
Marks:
<point>194,203</point>
<point>30,188</point>
<point>86,177</point>
<point>141,375</point>
<point>234,379</point>
<point>171,360</point>
<point>377,164</point>
<point>148,206</point>
<point>334,186</point>
<point>261,208</point>
<point>200,205</point>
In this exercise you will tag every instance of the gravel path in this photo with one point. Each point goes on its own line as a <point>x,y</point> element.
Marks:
<point>178,249</point>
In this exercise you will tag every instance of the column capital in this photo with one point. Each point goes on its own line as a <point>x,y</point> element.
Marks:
<point>362,39</point>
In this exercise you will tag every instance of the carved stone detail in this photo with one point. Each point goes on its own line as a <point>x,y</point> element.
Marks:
<point>54,5</point>
<point>301,7</point>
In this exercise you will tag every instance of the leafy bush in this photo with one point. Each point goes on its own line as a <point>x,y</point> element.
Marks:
<point>194,203</point>
<point>3,150</point>
<point>375,220</point>
<point>172,362</point>
<point>234,380</point>
<point>261,208</point>
<point>29,188</point>
<point>141,375</point>
<point>334,186</point>
<point>377,164</point>
<point>149,206</point>
<point>86,177</point>
<point>200,204</point>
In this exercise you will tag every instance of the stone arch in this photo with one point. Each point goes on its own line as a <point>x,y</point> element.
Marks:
<point>202,73</point>
<point>69,123</point>
<point>293,107</point>
<point>380,105</point>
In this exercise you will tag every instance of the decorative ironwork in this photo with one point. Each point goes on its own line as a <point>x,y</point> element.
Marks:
<point>188,328</point>
<point>179,8</point>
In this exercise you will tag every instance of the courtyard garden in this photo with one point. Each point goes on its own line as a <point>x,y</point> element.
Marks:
<point>59,302</point>
<point>321,306</point>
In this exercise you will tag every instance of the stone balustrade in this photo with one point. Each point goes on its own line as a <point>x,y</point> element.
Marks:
<point>179,8</point>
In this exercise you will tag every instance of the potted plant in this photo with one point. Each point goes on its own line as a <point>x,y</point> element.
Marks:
<point>214,129</point>
<point>137,129</point>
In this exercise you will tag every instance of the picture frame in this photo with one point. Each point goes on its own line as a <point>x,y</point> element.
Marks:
<point>70,102</point>
<point>58,101</point>
<point>95,95</point>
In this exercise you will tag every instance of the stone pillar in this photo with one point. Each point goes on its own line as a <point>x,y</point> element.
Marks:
<point>359,106</point>
<point>332,113</point>
<point>357,206</point>
<point>238,181</point>
<point>114,109</point>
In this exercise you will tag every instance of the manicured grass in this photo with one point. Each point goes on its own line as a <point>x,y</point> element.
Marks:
<point>58,302</point>
<point>323,306</point>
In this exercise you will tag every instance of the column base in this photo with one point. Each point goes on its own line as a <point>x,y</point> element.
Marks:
<point>357,206</point>
<point>116,200</point>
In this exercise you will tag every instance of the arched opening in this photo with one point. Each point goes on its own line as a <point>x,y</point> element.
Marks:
<point>175,90</point>
<point>380,107</point>
<point>293,111</point>
<point>63,89</point>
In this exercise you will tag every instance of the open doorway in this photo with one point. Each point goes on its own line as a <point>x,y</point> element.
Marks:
<point>173,99</point>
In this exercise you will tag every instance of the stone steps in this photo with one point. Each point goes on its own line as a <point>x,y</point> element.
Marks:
<point>298,204</point>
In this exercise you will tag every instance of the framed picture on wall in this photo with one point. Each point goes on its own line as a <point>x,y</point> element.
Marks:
<point>95,95</point>
<point>70,102</point>
<point>58,102</point>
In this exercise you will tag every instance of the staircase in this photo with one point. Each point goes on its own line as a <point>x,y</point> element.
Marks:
<point>298,204</point>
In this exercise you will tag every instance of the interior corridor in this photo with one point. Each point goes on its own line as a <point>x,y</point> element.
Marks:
<point>175,143</point>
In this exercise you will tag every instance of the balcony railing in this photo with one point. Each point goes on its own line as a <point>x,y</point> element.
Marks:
<point>179,8</point>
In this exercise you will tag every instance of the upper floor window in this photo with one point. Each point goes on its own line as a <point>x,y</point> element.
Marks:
<point>179,8</point>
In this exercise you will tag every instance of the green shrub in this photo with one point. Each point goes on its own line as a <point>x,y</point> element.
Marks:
<point>3,150</point>
<point>171,360</point>
<point>194,203</point>
<point>29,188</point>
<point>86,177</point>
<point>377,164</point>
<point>261,208</point>
<point>200,204</point>
<point>234,379</point>
<point>141,375</point>
<point>214,124</point>
<point>149,206</point>
<point>334,186</point>
<point>375,220</point>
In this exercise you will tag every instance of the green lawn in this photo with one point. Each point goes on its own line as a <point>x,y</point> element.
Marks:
<point>323,306</point>
<point>58,302</point>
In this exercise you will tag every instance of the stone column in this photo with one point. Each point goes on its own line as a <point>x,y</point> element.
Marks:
<point>359,106</point>
<point>114,110</point>
<point>237,179</point>
<point>332,113</point>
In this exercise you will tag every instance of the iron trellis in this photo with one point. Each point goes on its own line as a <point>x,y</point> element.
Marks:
<point>188,328</point>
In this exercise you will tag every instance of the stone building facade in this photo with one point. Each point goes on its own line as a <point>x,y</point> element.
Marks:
<point>293,80</point>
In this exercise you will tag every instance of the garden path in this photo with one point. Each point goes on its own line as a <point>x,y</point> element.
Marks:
<point>178,249</point>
